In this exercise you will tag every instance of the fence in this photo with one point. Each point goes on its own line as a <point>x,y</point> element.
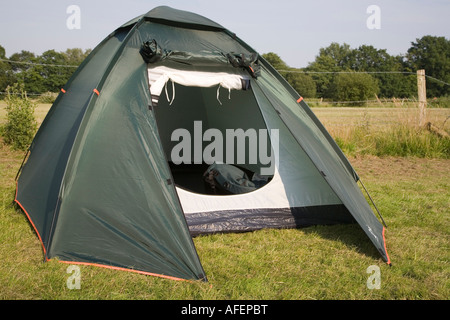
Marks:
<point>421,102</point>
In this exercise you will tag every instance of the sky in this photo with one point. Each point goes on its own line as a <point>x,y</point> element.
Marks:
<point>293,29</point>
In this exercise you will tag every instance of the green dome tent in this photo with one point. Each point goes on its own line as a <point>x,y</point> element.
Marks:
<point>101,186</point>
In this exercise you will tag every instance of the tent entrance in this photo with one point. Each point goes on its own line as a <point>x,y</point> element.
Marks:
<point>199,126</point>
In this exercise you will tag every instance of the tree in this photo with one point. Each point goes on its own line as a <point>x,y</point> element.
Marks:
<point>338,53</point>
<point>54,77</point>
<point>275,61</point>
<point>369,59</point>
<point>25,72</point>
<point>432,54</point>
<point>45,73</point>
<point>6,74</point>
<point>386,69</point>
<point>302,83</point>
<point>323,73</point>
<point>357,87</point>
<point>75,56</point>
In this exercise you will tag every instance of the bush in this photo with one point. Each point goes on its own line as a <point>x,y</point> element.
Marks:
<point>357,87</point>
<point>21,124</point>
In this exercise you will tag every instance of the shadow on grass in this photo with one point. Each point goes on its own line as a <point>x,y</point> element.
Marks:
<point>351,235</point>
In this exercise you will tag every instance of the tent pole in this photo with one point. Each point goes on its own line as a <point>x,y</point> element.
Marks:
<point>384,223</point>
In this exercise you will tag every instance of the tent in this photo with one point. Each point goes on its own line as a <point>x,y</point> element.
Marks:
<point>101,185</point>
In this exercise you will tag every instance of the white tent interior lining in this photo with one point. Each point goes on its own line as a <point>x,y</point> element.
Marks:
<point>295,182</point>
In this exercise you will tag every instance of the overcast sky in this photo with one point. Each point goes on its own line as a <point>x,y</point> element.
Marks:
<point>294,29</point>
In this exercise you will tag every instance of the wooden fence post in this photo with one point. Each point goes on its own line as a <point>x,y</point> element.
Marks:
<point>422,93</point>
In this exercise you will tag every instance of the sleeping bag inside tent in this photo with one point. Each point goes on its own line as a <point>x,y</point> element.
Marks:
<point>174,127</point>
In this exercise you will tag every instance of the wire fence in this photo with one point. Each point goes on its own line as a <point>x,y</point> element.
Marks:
<point>395,102</point>
<point>367,72</point>
<point>39,64</point>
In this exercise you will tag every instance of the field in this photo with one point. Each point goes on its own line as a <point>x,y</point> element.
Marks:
<point>333,262</point>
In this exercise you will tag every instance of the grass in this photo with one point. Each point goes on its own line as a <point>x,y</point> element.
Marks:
<point>322,262</point>
<point>401,140</point>
<point>387,131</point>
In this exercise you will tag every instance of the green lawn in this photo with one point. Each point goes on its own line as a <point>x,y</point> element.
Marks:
<point>323,262</point>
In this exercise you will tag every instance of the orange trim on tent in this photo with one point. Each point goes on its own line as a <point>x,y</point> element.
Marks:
<point>299,99</point>
<point>124,269</point>
<point>62,90</point>
<point>384,240</point>
<point>86,263</point>
<point>29,219</point>
<point>96,92</point>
